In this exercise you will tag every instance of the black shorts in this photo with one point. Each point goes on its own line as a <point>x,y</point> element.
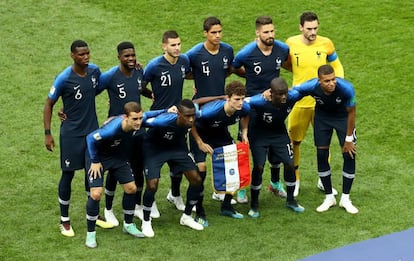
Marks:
<point>179,160</point>
<point>323,130</point>
<point>276,148</point>
<point>73,153</point>
<point>120,170</point>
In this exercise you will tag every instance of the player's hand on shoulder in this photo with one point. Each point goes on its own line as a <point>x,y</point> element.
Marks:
<point>173,109</point>
<point>267,95</point>
<point>139,66</point>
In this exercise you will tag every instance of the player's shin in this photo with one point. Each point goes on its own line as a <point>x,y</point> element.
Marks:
<point>348,172</point>
<point>193,195</point>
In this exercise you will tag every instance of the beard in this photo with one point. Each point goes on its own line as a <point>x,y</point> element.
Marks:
<point>267,42</point>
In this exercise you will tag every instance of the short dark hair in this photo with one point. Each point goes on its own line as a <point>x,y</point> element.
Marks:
<point>307,17</point>
<point>185,103</point>
<point>209,22</point>
<point>235,88</point>
<point>76,44</point>
<point>169,35</point>
<point>278,84</point>
<point>263,20</point>
<point>325,69</point>
<point>132,107</point>
<point>124,45</point>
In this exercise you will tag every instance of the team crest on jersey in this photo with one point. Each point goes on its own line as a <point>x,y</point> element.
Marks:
<point>278,63</point>
<point>94,81</point>
<point>139,84</point>
<point>225,62</point>
<point>183,71</point>
<point>318,53</point>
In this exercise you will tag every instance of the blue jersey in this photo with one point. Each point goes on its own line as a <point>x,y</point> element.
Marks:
<point>121,89</point>
<point>334,104</point>
<point>78,97</point>
<point>261,69</point>
<point>111,142</point>
<point>164,132</point>
<point>166,80</point>
<point>210,70</point>
<point>213,122</point>
<point>268,120</point>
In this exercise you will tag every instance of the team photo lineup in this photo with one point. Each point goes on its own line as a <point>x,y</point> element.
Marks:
<point>271,118</point>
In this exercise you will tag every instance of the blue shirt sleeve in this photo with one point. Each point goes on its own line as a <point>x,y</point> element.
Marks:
<point>256,100</point>
<point>240,58</point>
<point>304,89</point>
<point>150,69</point>
<point>59,84</point>
<point>106,132</point>
<point>105,78</point>
<point>162,120</point>
<point>152,114</point>
<point>348,89</point>
<point>211,109</point>
<point>194,51</point>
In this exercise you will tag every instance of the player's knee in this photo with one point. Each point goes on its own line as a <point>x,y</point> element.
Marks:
<point>152,185</point>
<point>257,170</point>
<point>194,178</point>
<point>130,188</point>
<point>96,193</point>
<point>196,181</point>
<point>289,167</point>
<point>296,142</point>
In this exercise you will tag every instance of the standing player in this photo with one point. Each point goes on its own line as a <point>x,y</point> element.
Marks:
<point>167,142</point>
<point>166,73</point>
<point>211,131</point>
<point>268,135</point>
<point>307,52</point>
<point>124,83</point>
<point>77,85</point>
<point>110,149</point>
<point>334,110</point>
<point>260,62</point>
<point>210,63</point>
